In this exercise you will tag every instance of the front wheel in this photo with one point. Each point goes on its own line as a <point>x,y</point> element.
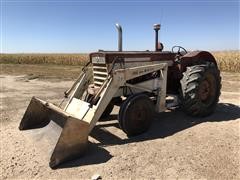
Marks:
<point>200,89</point>
<point>136,114</point>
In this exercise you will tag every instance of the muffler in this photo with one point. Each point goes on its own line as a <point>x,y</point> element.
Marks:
<point>73,139</point>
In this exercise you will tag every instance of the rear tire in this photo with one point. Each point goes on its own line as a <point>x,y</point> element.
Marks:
<point>136,114</point>
<point>200,89</point>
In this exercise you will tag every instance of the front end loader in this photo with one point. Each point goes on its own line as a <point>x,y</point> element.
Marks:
<point>137,81</point>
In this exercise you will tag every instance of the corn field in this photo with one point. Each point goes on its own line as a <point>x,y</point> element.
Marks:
<point>227,60</point>
<point>57,59</point>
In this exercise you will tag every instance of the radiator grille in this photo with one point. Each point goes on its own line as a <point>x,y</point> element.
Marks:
<point>100,74</point>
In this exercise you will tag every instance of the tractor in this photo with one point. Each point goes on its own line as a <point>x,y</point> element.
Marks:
<point>140,82</point>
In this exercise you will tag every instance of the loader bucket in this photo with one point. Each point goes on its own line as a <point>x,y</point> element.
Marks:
<point>73,139</point>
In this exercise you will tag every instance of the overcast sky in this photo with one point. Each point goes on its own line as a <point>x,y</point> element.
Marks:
<point>75,26</point>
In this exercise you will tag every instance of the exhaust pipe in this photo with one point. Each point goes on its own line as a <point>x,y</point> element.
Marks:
<point>156,27</point>
<point>119,28</point>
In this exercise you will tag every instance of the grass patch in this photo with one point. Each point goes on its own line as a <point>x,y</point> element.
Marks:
<point>42,71</point>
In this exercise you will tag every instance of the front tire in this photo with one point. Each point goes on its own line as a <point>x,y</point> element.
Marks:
<point>136,114</point>
<point>200,89</point>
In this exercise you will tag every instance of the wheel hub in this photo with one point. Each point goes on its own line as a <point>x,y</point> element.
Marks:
<point>204,90</point>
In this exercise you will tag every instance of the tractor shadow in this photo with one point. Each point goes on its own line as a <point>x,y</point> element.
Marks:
<point>166,124</point>
<point>94,155</point>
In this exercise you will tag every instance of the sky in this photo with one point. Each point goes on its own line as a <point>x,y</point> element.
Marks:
<point>78,26</point>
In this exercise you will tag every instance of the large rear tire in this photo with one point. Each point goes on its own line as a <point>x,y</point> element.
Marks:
<point>200,89</point>
<point>136,114</point>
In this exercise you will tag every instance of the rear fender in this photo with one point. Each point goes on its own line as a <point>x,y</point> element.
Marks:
<point>175,72</point>
<point>194,58</point>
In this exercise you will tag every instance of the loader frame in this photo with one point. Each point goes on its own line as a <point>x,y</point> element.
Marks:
<point>78,117</point>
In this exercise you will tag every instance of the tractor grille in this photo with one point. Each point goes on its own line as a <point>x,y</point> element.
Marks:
<point>100,74</point>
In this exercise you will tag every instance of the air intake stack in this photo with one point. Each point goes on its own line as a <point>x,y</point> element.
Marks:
<point>158,46</point>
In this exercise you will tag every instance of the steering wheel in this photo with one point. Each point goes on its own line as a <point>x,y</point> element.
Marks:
<point>180,50</point>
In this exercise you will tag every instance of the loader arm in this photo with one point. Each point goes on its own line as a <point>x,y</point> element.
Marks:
<point>79,86</point>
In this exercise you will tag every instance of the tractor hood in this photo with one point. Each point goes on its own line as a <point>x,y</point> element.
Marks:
<point>132,56</point>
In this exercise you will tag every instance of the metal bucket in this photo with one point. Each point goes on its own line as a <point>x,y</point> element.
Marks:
<point>73,138</point>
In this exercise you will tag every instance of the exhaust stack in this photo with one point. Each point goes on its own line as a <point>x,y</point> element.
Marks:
<point>156,27</point>
<point>119,28</point>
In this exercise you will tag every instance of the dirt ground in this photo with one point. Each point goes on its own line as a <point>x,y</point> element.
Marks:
<point>176,146</point>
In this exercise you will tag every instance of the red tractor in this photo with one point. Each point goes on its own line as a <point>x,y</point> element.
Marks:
<point>137,81</point>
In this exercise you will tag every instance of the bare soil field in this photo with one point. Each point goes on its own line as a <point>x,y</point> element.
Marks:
<point>176,146</point>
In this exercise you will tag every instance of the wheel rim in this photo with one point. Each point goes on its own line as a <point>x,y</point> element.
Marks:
<point>204,90</point>
<point>207,89</point>
<point>136,115</point>
<point>140,116</point>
